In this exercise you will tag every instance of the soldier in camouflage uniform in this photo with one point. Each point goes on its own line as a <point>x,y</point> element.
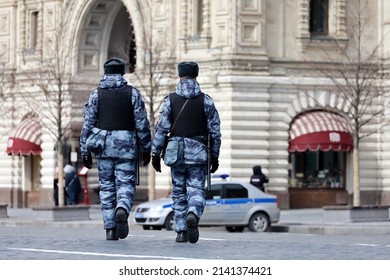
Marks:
<point>189,123</point>
<point>114,120</point>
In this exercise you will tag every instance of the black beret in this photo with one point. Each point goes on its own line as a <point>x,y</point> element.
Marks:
<point>188,69</point>
<point>114,66</point>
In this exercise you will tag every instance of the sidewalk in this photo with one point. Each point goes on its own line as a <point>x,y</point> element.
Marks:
<point>28,217</point>
<point>311,221</point>
<point>305,221</point>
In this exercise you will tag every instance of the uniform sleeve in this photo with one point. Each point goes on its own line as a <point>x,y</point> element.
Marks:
<point>163,126</point>
<point>90,118</point>
<point>141,121</point>
<point>213,126</point>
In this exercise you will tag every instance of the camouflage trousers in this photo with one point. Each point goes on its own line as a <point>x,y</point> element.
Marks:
<point>188,192</point>
<point>117,187</point>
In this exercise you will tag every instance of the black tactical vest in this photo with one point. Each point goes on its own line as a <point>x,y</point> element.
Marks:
<point>192,121</point>
<point>115,110</point>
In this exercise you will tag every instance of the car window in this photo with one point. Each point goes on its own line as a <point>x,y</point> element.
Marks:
<point>234,191</point>
<point>214,192</point>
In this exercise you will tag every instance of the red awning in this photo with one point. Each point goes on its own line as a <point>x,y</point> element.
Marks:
<point>320,130</point>
<point>25,139</point>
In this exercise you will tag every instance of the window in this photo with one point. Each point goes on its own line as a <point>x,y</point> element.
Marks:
<point>318,169</point>
<point>321,22</point>
<point>199,18</point>
<point>34,30</point>
<point>319,14</point>
<point>235,191</point>
<point>214,192</point>
<point>195,22</point>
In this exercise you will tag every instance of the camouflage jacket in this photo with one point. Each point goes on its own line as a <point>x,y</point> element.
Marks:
<point>118,143</point>
<point>195,152</point>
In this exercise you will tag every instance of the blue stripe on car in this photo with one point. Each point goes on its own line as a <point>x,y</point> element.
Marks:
<point>233,201</point>
<point>265,200</point>
<point>240,201</point>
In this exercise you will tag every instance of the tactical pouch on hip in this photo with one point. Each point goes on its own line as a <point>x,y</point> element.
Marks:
<point>97,140</point>
<point>174,154</point>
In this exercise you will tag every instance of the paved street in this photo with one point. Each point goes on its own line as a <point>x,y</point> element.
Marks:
<point>86,241</point>
<point>47,243</point>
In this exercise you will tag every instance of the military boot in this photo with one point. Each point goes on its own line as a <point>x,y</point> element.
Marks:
<point>111,234</point>
<point>181,236</point>
<point>192,228</point>
<point>122,226</point>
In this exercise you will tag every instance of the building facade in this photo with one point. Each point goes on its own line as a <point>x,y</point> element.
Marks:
<point>265,63</point>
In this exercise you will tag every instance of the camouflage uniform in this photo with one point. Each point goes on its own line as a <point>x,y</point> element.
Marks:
<point>116,162</point>
<point>188,179</point>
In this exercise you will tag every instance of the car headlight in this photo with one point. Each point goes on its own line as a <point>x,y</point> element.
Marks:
<point>157,209</point>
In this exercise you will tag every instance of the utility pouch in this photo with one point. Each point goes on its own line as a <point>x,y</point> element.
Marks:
<point>97,140</point>
<point>174,154</point>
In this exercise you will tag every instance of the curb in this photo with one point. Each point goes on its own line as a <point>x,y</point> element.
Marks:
<point>54,224</point>
<point>333,229</point>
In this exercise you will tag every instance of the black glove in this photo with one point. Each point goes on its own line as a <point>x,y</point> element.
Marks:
<point>214,164</point>
<point>156,162</point>
<point>87,161</point>
<point>146,158</point>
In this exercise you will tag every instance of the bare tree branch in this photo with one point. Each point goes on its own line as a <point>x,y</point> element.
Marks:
<point>51,98</point>
<point>356,73</point>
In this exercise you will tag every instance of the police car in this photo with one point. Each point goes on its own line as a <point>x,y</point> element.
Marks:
<point>232,204</point>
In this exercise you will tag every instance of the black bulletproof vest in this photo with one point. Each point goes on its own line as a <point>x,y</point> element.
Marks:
<point>192,121</point>
<point>115,110</point>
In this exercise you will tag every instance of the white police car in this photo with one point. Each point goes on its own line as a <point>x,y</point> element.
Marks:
<point>234,205</point>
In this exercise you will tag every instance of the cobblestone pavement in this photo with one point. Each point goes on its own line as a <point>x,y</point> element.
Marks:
<point>300,234</point>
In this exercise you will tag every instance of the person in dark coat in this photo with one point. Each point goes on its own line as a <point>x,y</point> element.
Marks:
<point>55,190</point>
<point>72,185</point>
<point>258,178</point>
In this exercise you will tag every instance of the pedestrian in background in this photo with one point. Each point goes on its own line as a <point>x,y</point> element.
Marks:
<point>72,185</point>
<point>115,119</point>
<point>55,189</point>
<point>258,179</point>
<point>187,116</point>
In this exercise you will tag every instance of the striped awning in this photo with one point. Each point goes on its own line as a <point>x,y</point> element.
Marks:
<point>25,139</point>
<point>320,130</point>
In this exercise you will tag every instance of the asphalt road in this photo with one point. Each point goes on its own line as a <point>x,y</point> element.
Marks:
<point>50,243</point>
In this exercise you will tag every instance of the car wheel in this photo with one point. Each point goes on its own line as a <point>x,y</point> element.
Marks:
<point>259,222</point>
<point>235,229</point>
<point>169,222</point>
